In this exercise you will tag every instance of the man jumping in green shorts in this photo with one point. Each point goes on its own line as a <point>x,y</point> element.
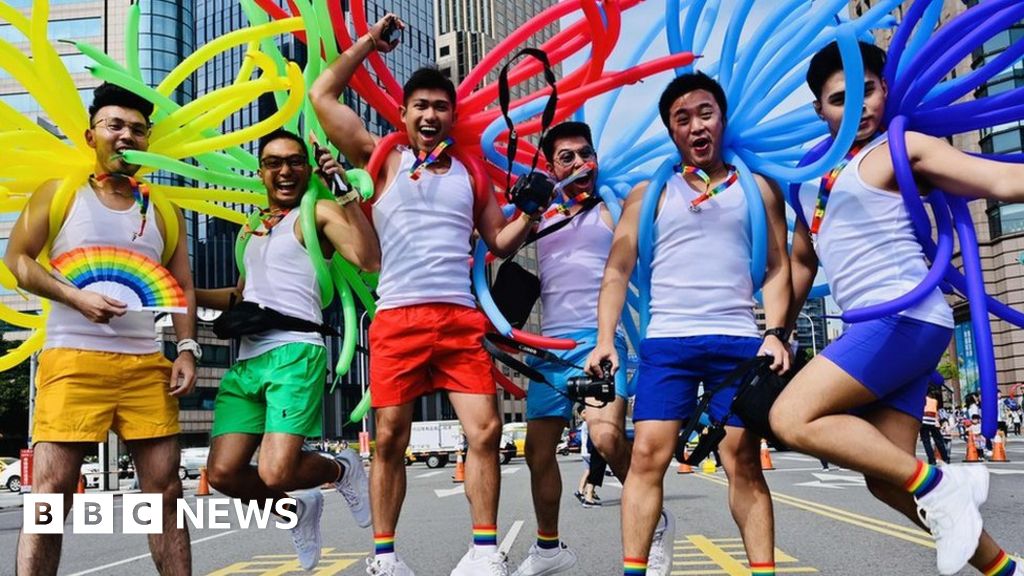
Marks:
<point>271,398</point>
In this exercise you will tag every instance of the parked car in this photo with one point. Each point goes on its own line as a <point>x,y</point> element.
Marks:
<point>6,461</point>
<point>191,460</point>
<point>10,478</point>
<point>517,430</point>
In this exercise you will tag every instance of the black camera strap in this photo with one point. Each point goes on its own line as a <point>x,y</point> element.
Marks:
<point>492,343</point>
<point>505,100</point>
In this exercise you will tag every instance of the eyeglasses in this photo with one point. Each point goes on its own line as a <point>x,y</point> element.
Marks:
<point>566,158</point>
<point>276,162</point>
<point>117,126</point>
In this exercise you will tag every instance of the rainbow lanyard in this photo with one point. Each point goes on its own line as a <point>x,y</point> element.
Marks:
<point>140,191</point>
<point>563,209</point>
<point>426,159</point>
<point>268,219</point>
<point>825,189</point>
<point>709,191</point>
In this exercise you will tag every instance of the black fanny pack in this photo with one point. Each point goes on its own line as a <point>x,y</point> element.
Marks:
<point>757,389</point>
<point>247,318</point>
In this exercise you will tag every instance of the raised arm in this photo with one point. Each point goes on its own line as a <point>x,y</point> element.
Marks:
<point>351,234</point>
<point>618,269</point>
<point>343,126</point>
<point>956,172</point>
<point>502,236</point>
<point>777,291</point>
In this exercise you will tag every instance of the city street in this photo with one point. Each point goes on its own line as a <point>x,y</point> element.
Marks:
<point>826,521</point>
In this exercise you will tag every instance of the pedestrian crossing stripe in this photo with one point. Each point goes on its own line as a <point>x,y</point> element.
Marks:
<point>331,563</point>
<point>696,554</point>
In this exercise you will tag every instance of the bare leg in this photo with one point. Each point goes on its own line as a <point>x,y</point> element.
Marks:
<point>387,472</point>
<point>608,433</point>
<point>749,499</point>
<point>57,468</point>
<point>282,466</point>
<point>481,424</point>
<point>542,437</point>
<point>643,491</point>
<point>901,428</point>
<point>156,463</point>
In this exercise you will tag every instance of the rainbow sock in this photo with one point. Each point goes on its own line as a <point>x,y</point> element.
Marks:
<point>384,544</point>
<point>634,566</point>
<point>547,541</point>
<point>762,569</point>
<point>924,480</point>
<point>485,539</point>
<point>1003,565</point>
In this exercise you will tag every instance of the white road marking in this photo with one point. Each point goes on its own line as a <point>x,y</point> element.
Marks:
<point>429,474</point>
<point>140,557</point>
<point>510,537</point>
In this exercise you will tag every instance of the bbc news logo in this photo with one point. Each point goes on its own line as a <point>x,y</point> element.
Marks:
<point>143,513</point>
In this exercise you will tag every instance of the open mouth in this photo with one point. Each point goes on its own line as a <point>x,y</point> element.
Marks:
<point>287,186</point>
<point>429,132</point>
<point>701,145</point>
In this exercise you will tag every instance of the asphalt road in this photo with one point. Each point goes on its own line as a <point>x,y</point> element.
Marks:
<point>826,522</point>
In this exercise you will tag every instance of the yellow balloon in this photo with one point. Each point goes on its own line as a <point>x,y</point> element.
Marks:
<point>175,193</point>
<point>212,209</point>
<point>229,40</point>
<point>197,108</point>
<point>23,351</point>
<point>169,216</point>
<point>22,319</point>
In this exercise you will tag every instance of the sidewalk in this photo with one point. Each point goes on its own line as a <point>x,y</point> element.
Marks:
<point>14,500</point>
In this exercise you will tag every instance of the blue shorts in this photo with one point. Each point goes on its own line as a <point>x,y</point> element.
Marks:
<point>672,370</point>
<point>543,402</point>
<point>893,357</point>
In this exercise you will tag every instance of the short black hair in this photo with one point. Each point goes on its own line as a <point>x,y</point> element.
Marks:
<point>564,130</point>
<point>281,134</point>
<point>428,78</point>
<point>686,83</point>
<point>828,61</point>
<point>108,94</point>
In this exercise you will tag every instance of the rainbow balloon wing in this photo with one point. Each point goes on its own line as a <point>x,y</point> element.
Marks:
<point>138,281</point>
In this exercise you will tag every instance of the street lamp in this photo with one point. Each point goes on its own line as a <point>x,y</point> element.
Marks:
<point>814,340</point>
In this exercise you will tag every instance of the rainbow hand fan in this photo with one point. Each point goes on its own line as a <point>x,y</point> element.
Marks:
<point>132,278</point>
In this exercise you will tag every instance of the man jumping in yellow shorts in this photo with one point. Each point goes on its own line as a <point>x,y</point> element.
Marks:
<point>101,367</point>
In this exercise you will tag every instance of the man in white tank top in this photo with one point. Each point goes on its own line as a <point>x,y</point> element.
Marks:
<point>97,353</point>
<point>702,324</point>
<point>880,369</point>
<point>570,260</point>
<point>427,333</point>
<point>271,398</point>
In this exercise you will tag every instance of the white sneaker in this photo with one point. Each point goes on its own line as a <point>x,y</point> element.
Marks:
<point>481,565</point>
<point>306,533</point>
<point>354,487</point>
<point>538,564</point>
<point>379,567</point>
<point>659,559</point>
<point>951,514</point>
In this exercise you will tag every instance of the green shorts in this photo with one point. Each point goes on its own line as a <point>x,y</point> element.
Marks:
<point>280,390</point>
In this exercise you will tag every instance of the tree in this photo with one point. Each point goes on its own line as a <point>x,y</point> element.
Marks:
<point>14,385</point>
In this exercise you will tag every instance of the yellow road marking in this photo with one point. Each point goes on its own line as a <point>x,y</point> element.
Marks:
<point>913,535</point>
<point>331,564</point>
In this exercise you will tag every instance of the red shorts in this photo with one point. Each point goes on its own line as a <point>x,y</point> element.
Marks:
<point>416,350</point>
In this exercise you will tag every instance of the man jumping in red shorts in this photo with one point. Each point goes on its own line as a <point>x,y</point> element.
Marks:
<point>427,332</point>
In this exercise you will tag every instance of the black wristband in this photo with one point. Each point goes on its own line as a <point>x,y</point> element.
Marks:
<point>780,333</point>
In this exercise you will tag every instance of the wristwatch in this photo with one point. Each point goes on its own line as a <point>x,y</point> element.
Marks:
<point>780,333</point>
<point>190,345</point>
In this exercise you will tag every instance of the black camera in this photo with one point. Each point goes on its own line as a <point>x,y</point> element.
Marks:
<point>582,387</point>
<point>391,32</point>
<point>532,192</point>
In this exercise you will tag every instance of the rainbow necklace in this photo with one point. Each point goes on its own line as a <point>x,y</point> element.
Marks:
<point>825,188</point>
<point>709,191</point>
<point>563,208</point>
<point>140,192</point>
<point>268,217</point>
<point>426,159</point>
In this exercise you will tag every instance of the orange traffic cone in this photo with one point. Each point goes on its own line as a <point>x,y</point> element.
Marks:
<point>684,468</point>
<point>81,484</point>
<point>204,484</point>
<point>766,457</point>
<point>460,469</point>
<point>999,448</point>
<point>972,450</point>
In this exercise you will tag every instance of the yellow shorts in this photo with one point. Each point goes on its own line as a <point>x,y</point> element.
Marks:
<point>81,394</point>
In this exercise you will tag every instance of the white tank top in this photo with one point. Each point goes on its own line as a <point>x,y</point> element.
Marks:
<point>424,228</point>
<point>867,247</point>
<point>91,223</point>
<point>280,275</point>
<point>700,274</point>
<point>571,264</point>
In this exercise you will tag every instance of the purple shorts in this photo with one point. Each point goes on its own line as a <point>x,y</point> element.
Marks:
<point>893,357</point>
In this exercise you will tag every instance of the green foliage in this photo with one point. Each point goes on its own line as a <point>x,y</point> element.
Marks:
<point>14,385</point>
